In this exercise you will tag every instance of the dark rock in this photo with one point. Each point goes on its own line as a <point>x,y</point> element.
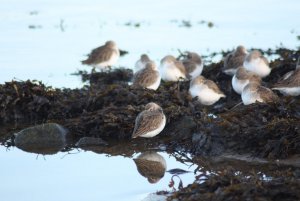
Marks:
<point>42,139</point>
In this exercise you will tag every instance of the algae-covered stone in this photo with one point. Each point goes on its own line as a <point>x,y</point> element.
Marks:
<point>90,141</point>
<point>47,138</point>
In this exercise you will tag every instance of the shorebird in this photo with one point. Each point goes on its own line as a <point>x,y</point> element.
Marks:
<point>149,122</point>
<point>193,64</point>
<point>241,78</point>
<point>291,85</point>
<point>254,92</point>
<point>147,77</point>
<point>151,165</point>
<point>142,62</point>
<point>206,90</point>
<point>103,56</point>
<point>234,60</point>
<point>257,63</point>
<point>171,69</point>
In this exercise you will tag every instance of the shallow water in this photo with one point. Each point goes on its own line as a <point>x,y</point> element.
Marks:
<point>46,40</point>
<point>79,176</point>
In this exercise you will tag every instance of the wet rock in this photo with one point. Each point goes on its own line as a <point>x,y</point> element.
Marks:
<point>90,141</point>
<point>207,144</point>
<point>42,139</point>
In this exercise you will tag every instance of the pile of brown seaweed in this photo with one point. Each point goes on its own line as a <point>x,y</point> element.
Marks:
<point>232,185</point>
<point>107,108</point>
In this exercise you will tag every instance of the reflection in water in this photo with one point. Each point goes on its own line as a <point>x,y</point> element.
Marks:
<point>86,142</point>
<point>43,139</point>
<point>151,165</point>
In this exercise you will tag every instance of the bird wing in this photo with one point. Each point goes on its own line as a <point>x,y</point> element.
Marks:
<point>291,81</point>
<point>212,85</point>
<point>98,55</point>
<point>147,121</point>
<point>189,65</point>
<point>267,95</point>
<point>145,77</point>
<point>180,66</point>
<point>227,61</point>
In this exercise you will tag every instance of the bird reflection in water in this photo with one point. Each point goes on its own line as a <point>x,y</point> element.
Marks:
<point>151,165</point>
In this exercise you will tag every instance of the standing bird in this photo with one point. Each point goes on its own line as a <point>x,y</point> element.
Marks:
<point>234,60</point>
<point>193,64</point>
<point>148,77</point>
<point>171,69</point>
<point>254,92</point>
<point>103,56</point>
<point>149,122</point>
<point>257,63</point>
<point>291,85</point>
<point>241,78</point>
<point>142,62</point>
<point>206,90</point>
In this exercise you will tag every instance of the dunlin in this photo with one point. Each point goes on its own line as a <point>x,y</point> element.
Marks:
<point>291,85</point>
<point>171,69</point>
<point>288,74</point>
<point>103,56</point>
<point>242,77</point>
<point>234,60</point>
<point>254,92</point>
<point>148,77</point>
<point>193,64</point>
<point>151,165</point>
<point>206,90</point>
<point>257,63</point>
<point>142,62</point>
<point>149,122</point>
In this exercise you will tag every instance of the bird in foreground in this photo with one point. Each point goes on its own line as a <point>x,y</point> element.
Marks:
<point>171,69</point>
<point>193,64</point>
<point>254,92</point>
<point>151,165</point>
<point>150,122</point>
<point>234,60</point>
<point>257,63</point>
<point>289,86</point>
<point>242,77</point>
<point>206,90</point>
<point>103,56</point>
<point>147,77</point>
<point>142,62</point>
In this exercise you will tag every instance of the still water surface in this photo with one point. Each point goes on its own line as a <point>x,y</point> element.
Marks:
<point>81,176</point>
<point>45,40</point>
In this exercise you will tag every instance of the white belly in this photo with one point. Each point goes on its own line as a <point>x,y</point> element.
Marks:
<point>289,91</point>
<point>170,73</point>
<point>139,65</point>
<point>205,95</point>
<point>156,131</point>
<point>197,71</point>
<point>249,97</point>
<point>230,71</point>
<point>258,66</point>
<point>238,85</point>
